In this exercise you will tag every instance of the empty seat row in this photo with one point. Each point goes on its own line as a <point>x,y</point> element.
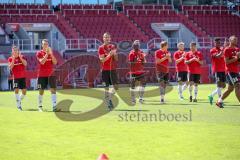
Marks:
<point>24,6</point>
<point>203,7</point>
<point>26,11</point>
<point>75,6</point>
<point>150,7</point>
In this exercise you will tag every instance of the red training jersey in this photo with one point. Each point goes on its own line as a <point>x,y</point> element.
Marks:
<point>181,66</point>
<point>218,63</point>
<point>194,67</point>
<point>229,53</point>
<point>163,66</point>
<point>109,64</point>
<point>136,59</point>
<point>46,69</point>
<point>18,70</point>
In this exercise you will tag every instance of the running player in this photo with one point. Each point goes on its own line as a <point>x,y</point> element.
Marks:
<point>46,61</point>
<point>194,60</point>
<point>181,69</point>
<point>162,59</point>
<point>108,57</point>
<point>137,59</point>
<point>218,68</point>
<point>232,59</point>
<point>17,64</point>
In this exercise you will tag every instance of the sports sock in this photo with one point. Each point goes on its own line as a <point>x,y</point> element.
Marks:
<point>18,100</point>
<point>40,99</point>
<point>195,92</point>
<point>54,99</point>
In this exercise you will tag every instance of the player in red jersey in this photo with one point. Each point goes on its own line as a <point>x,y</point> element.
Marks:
<point>17,64</point>
<point>162,59</point>
<point>46,61</point>
<point>194,61</point>
<point>181,69</point>
<point>108,58</point>
<point>232,59</point>
<point>137,59</point>
<point>218,68</point>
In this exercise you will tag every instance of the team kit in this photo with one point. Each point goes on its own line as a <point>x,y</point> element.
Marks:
<point>225,60</point>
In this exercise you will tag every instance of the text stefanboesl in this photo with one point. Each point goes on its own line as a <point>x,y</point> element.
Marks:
<point>155,117</point>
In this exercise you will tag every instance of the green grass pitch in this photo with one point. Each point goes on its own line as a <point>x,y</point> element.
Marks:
<point>212,133</point>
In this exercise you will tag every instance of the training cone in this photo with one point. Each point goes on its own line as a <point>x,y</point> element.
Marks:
<point>103,157</point>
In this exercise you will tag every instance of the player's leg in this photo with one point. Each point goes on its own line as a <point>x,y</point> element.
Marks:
<point>190,87</point>
<point>41,85</point>
<point>53,86</point>
<point>114,82</point>
<point>237,91</point>
<point>16,91</point>
<point>22,86</point>
<point>196,82</point>
<point>180,86</point>
<point>163,78</point>
<point>142,84</point>
<point>107,81</point>
<point>214,92</point>
<point>162,91</point>
<point>195,92</point>
<point>133,88</point>
<point>185,81</point>
<point>231,79</point>
<point>229,90</point>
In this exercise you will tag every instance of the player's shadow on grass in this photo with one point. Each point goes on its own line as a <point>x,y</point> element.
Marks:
<point>170,104</point>
<point>31,110</point>
<point>100,109</point>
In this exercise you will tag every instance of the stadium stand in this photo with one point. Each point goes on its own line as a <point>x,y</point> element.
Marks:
<point>93,20</point>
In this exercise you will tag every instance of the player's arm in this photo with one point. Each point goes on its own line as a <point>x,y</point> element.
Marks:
<point>179,59</point>
<point>22,59</point>
<point>218,55</point>
<point>169,58</point>
<point>144,59</point>
<point>54,60</point>
<point>132,59</point>
<point>199,61</point>
<point>188,61</point>
<point>160,60</point>
<point>103,58</point>
<point>11,64</point>
<point>232,60</point>
<point>43,60</point>
<point>115,55</point>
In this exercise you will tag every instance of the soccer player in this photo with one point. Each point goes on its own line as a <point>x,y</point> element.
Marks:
<point>17,64</point>
<point>194,61</point>
<point>137,59</point>
<point>181,68</point>
<point>218,68</point>
<point>232,59</point>
<point>108,58</point>
<point>46,61</point>
<point>162,59</point>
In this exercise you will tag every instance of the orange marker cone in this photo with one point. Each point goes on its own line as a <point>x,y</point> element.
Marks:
<point>103,157</point>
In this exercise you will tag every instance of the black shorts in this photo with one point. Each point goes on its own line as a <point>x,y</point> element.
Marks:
<point>182,76</point>
<point>233,78</point>
<point>194,78</point>
<point>43,82</point>
<point>109,77</point>
<point>220,77</point>
<point>162,77</point>
<point>136,77</point>
<point>19,83</point>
